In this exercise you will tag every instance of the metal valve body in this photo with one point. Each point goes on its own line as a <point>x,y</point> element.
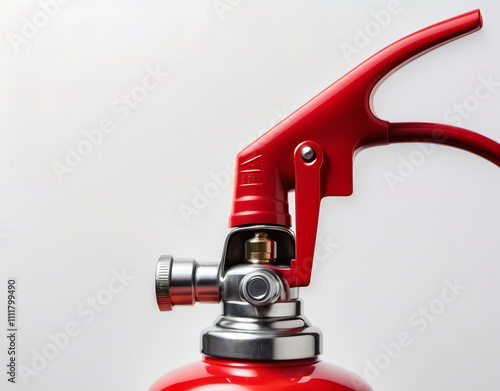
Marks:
<point>261,341</point>
<point>261,315</point>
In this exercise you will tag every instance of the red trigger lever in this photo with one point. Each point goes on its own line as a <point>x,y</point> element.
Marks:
<point>312,150</point>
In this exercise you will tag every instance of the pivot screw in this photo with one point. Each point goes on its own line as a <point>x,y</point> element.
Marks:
<point>308,154</point>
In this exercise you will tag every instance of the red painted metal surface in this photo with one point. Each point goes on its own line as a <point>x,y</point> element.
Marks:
<point>212,374</point>
<point>339,122</point>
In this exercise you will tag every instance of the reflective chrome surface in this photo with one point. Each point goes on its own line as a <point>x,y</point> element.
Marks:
<point>184,282</point>
<point>260,288</point>
<point>275,331</point>
<point>261,315</point>
<point>262,336</point>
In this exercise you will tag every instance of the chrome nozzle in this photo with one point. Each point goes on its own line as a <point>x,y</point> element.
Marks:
<point>185,282</point>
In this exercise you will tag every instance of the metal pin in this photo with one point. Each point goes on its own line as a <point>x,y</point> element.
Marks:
<point>308,154</point>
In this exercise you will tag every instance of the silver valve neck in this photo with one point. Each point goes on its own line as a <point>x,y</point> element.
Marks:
<point>261,315</point>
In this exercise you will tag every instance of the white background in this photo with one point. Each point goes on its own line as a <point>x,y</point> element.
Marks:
<point>230,76</point>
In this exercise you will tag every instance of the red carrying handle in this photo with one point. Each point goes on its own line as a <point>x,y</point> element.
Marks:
<point>333,126</point>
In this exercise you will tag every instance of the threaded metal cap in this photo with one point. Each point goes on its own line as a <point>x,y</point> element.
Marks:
<point>163,278</point>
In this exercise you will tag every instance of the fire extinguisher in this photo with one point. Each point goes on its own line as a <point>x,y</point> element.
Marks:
<point>261,340</point>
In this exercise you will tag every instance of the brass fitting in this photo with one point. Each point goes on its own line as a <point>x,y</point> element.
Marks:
<point>260,249</point>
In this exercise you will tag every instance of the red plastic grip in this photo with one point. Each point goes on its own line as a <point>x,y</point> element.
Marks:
<point>336,123</point>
